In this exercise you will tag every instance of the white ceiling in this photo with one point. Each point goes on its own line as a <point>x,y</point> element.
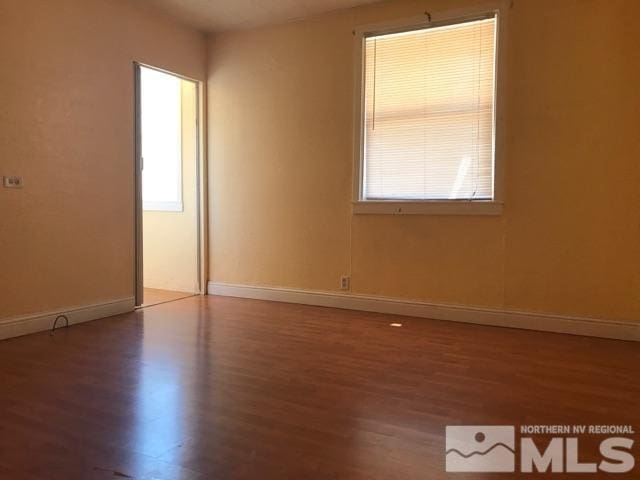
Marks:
<point>222,15</point>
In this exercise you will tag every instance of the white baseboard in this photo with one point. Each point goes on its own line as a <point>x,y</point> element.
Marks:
<point>592,327</point>
<point>27,324</point>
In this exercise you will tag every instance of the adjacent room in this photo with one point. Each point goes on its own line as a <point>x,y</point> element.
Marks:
<point>169,152</point>
<point>319,239</point>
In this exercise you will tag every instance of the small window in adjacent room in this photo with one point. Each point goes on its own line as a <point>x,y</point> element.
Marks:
<point>428,115</point>
<point>161,132</point>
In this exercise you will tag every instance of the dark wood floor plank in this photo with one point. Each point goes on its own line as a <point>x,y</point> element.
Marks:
<point>221,388</point>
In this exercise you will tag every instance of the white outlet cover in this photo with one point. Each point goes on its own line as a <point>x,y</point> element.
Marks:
<point>12,182</point>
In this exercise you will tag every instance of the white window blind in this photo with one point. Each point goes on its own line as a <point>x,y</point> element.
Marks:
<point>429,113</point>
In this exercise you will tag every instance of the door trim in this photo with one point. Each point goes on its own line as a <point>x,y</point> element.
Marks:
<point>201,186</point>
<point>138,257</point>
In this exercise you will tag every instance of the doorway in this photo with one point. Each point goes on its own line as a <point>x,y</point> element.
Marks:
<point>168,217</point>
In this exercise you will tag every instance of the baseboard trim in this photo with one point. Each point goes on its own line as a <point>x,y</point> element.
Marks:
<point>27,324</point>
<point>592,327</point>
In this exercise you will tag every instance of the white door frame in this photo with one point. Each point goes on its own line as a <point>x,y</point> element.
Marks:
<point>201,186</point>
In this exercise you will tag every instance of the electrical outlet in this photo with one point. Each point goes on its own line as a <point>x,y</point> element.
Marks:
<point>12,182</point>
<point>345,282</point>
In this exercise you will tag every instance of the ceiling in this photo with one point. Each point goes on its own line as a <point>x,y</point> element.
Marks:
<point>222,15</point>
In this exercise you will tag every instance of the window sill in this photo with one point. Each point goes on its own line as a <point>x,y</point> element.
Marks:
<point>162,207</point>
<point>427,207</point>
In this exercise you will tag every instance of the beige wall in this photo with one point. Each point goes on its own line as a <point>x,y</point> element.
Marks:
<point>170,238</point>
<point>66,125</point>
<point>568,242</point>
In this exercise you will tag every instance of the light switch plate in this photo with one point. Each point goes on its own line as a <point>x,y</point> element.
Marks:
<point>12,182</point>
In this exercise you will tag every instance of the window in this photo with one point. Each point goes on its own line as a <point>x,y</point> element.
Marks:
<point>428,115</point>
<point>161,132</point>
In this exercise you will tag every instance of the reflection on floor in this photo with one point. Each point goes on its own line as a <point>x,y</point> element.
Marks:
<point>155,296</point>
<point>213,388</point>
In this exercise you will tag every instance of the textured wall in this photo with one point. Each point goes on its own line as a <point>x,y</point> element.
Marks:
<point>568,242</point>
<point>67,126</point>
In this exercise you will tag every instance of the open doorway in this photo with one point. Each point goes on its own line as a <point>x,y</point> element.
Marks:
<point>167,198</point>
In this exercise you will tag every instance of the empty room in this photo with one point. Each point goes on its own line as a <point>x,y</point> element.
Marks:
<point>319,239</point>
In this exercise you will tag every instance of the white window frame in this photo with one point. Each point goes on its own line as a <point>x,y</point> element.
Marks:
<point>432,207</point>
<point>163,207</point>
<point>169,205</point>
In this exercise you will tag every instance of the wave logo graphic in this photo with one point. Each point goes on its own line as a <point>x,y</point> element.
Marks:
<point>480,449</point>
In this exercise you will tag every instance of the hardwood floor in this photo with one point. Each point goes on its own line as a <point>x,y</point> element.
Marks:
<point>221,388</point>
<point>156,296</point>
